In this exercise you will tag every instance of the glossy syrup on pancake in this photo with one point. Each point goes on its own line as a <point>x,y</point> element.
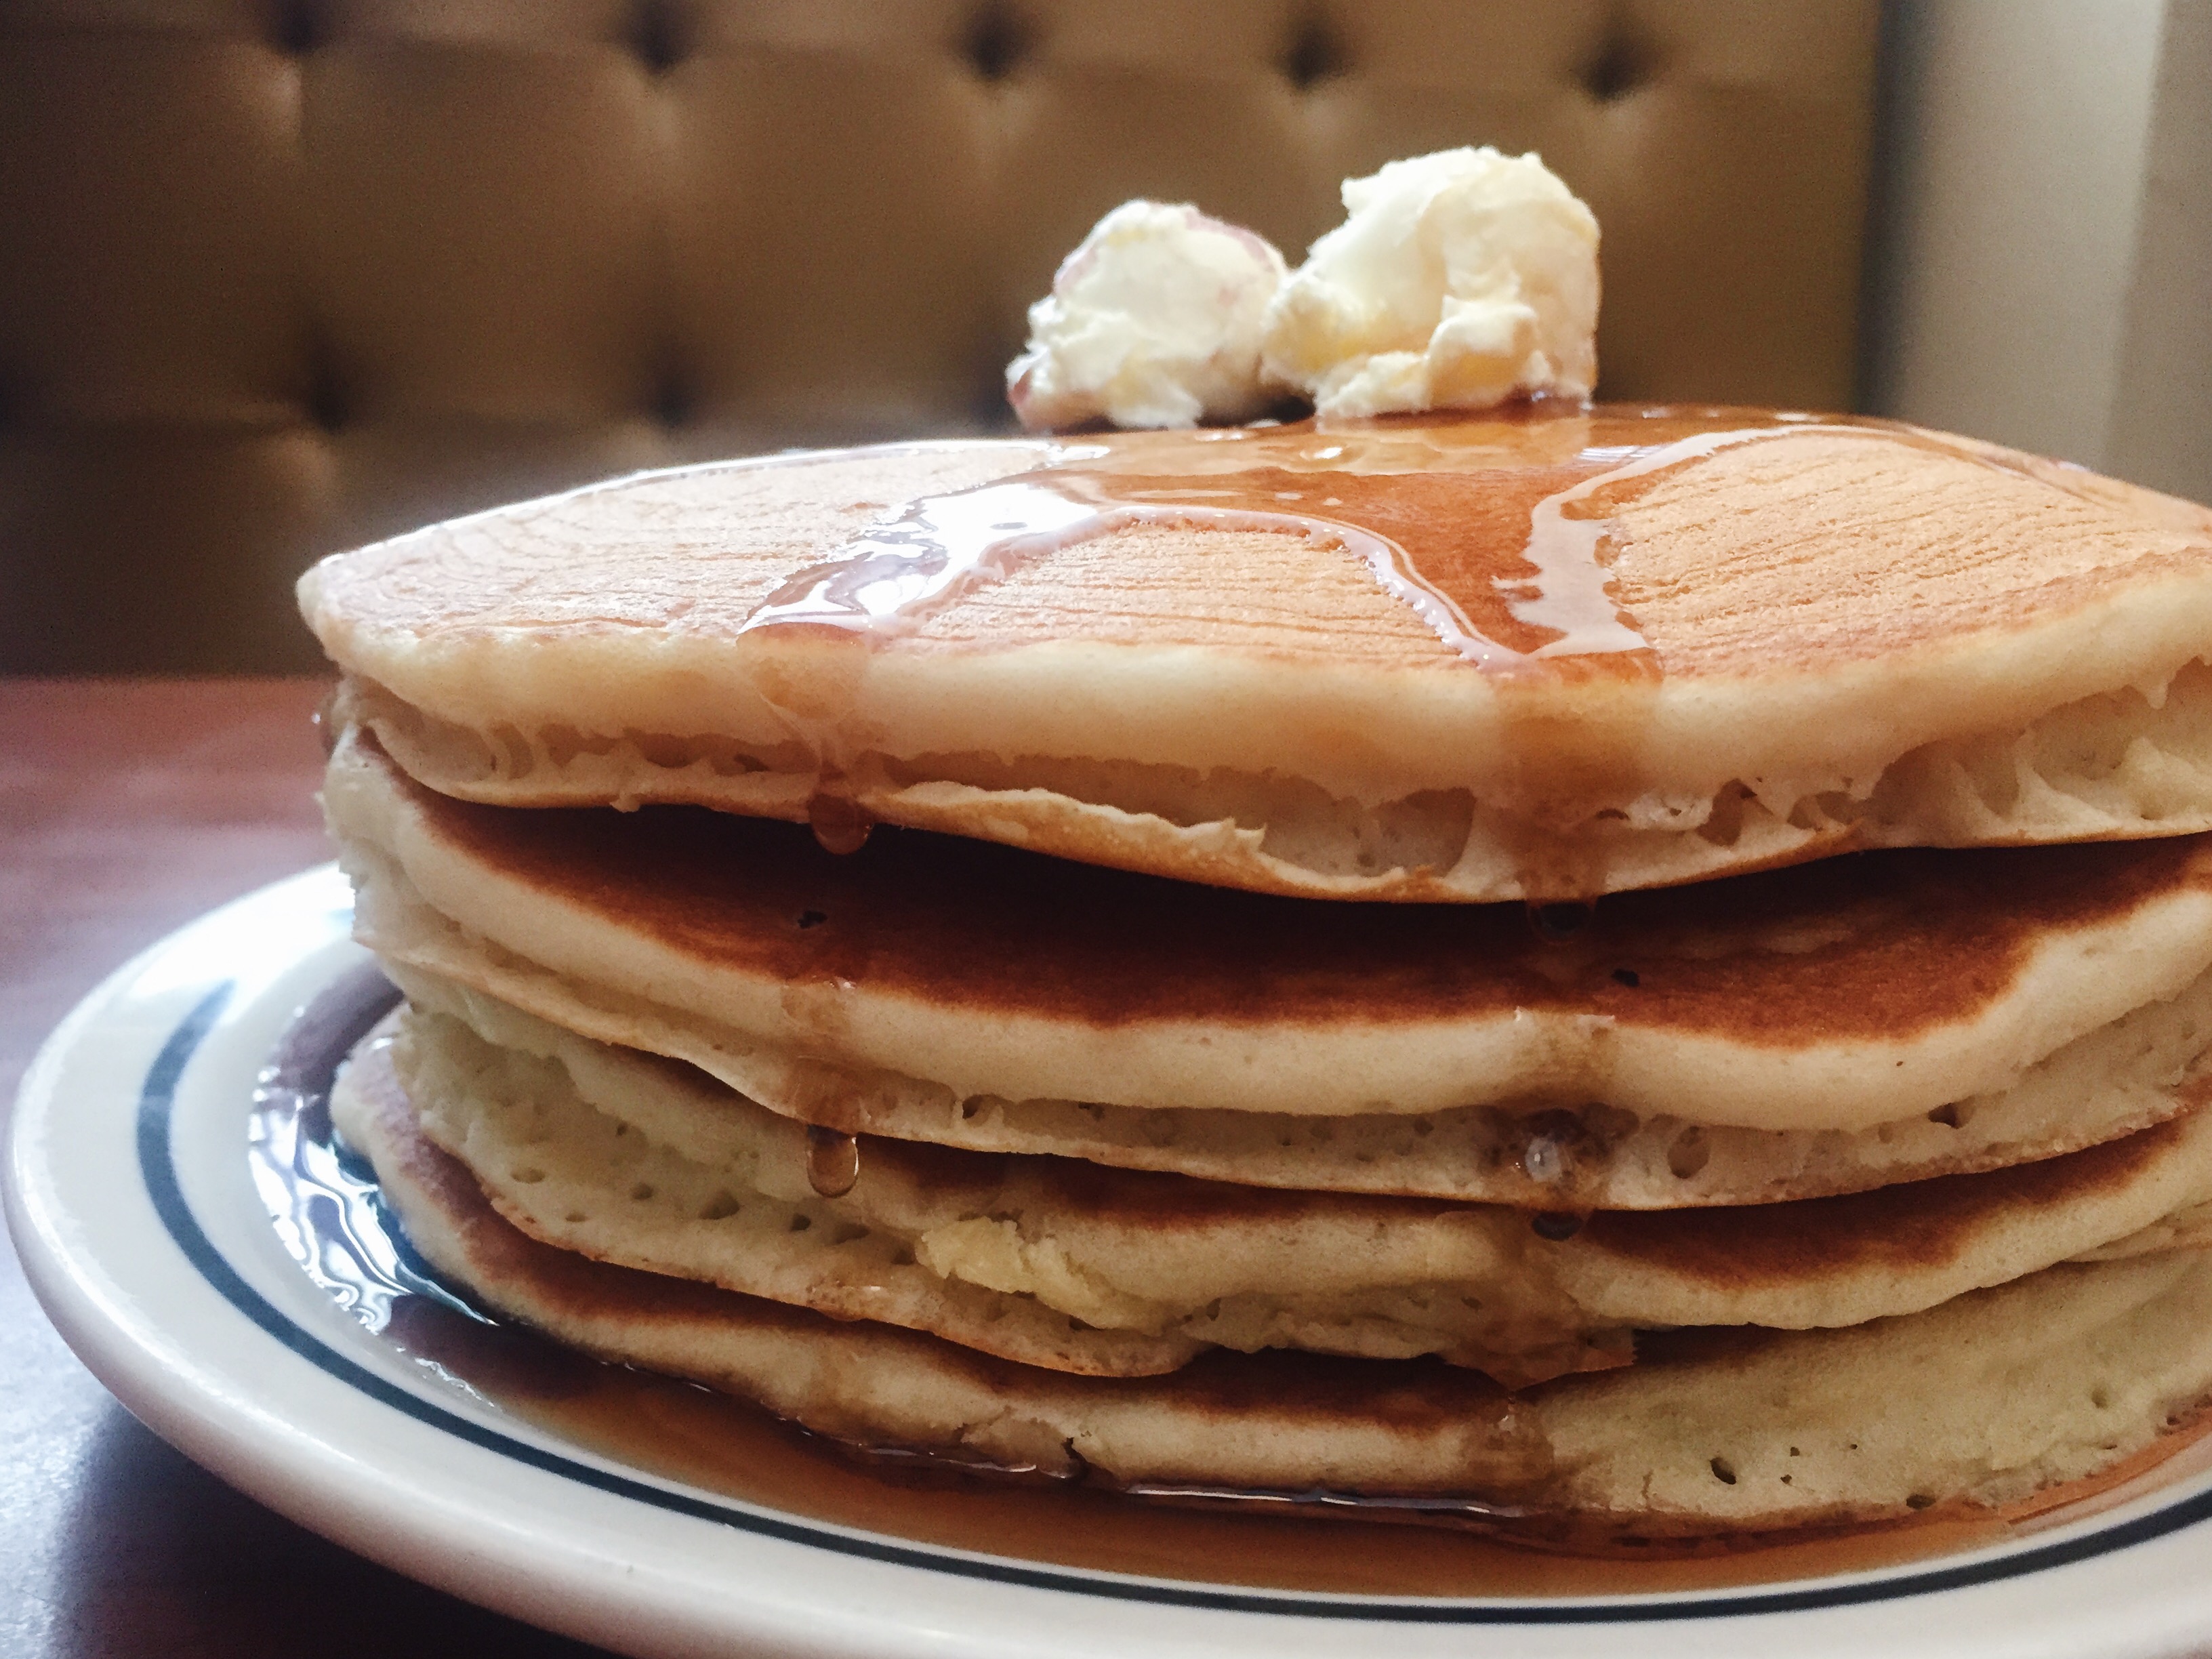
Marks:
<point>833,1161</point>
<point>1499,532</point>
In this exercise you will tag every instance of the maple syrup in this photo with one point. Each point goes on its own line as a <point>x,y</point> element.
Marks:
<point>1497,529</point>
<point>833,1161</point>
<point>839,825</point>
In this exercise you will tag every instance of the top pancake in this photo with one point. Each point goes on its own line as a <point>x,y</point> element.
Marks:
<point>1485,658</point>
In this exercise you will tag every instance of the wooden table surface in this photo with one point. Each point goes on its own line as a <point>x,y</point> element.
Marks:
<point>126,808</point>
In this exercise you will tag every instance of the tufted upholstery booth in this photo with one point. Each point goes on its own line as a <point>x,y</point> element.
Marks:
<point>280,276</point>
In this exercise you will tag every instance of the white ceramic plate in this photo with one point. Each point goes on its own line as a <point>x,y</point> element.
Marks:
<point>132,1198</point>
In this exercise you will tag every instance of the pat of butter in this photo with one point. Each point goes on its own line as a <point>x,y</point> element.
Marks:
<point>1458,280</point>
<point>1154,321</point>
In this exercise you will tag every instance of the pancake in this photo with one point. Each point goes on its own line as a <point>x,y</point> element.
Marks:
<point>1837,997</point>
<point>1998,1398</point>
<point>2136,1071</point>
<point>2139,1071</point>
<point>625,1158</point>
<point>1520,655</point>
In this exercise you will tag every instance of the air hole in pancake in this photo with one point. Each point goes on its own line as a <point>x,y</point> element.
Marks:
<point>1691,1151</point>
<point>799,1223</point>
<point>970,1110</point>
<point>510,745</point>
<point>1724,824</point>
<point>642,1192</point>
<point>1920,1500</point>
<point>1628,976</point>
<point>1825,811</point>
<point>1723,1471</point>
<point>719,1207</point>
<point>664,750</point>
<point>1994,777</point>
<point>845,1233</point>
<point>577,1216</point>
<point>526,1175</point>
<point>1556,1225</point>
<point>902,1259</point>
<point>1945,1114</point>
<point>564,742</point>
<point>2101,1397</point>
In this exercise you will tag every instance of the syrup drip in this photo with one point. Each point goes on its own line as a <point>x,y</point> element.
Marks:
<point>1543,1159</point>
<point>833,1161</point>
<point>840,826</point>
<point>1555,923</point>
<point>325,722</point>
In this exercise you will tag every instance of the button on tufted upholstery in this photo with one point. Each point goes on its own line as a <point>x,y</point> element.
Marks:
<point>280,276</point>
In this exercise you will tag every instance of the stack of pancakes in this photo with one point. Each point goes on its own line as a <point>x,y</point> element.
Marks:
<point>1552,963</point>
